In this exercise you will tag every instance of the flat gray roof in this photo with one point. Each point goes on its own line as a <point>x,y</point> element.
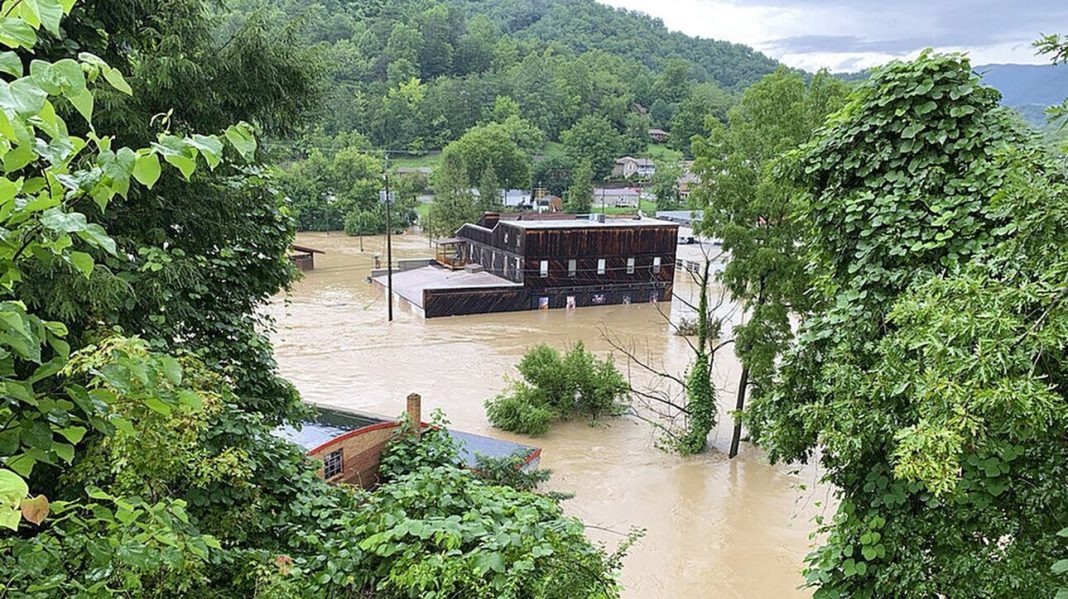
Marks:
<point>582,223</point>
<point>410,284</point>
<point>681,216</point>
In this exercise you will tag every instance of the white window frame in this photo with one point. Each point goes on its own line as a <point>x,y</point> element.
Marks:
<point>656,265</point>
<point>544,269</point>
<point>630,266</point>
<point>572,268</point>
<point>602,266</point>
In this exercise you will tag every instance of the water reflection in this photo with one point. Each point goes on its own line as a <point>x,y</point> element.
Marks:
<point>715,528</point>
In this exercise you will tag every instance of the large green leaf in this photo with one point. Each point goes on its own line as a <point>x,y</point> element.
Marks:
<point>12,491</point>
<point>11,64</point>
<point>147,169</point>
<point>243,140</point>
<point>16,33</point>
<point>46,12</point>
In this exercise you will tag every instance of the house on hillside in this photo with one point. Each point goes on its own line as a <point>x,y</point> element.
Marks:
<point>531,261</point>
<point>628,167</point>
<point>658,135</point>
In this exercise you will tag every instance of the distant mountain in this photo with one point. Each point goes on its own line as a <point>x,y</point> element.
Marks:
<point>583,25</point>
<point>1026,84</point>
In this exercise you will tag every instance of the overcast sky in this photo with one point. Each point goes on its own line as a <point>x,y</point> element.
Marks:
<point>845,35</point>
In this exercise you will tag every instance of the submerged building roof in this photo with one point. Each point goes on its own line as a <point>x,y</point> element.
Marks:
<point>330,423</point>
<point>410,284</point>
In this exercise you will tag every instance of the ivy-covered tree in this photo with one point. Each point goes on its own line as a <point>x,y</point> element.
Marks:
<point>930,373</point>
<point>752,208</point>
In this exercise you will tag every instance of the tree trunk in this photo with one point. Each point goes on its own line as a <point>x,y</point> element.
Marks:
<point>742,384</point>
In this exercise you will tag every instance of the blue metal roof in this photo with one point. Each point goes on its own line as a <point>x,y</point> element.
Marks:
<point>326,425</point>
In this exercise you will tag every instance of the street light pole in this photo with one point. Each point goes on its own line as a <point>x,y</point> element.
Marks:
<point>389,241</point>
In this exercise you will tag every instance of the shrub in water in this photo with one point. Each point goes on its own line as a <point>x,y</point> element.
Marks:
<point>556,386</point>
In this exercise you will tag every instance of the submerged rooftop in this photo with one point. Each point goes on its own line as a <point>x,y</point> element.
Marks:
<point>567,221</point>
<point>410,284</point>
<point>330,423</point>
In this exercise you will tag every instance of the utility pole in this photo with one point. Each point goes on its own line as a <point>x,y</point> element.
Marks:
<point>388,199</point>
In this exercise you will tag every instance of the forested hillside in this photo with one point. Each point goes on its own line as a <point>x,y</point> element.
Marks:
<point>416,74</point>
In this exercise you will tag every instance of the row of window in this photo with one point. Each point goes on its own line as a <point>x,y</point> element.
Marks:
<point>572,267</point>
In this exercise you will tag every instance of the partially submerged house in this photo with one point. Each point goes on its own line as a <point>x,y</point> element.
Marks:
<point>530,261</point>
<point>350,444</point>
<point>303,257</point>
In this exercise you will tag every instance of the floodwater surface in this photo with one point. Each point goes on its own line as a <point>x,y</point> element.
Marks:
<point>714,527</point>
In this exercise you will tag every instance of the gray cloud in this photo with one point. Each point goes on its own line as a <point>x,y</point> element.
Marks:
<point>907,25</point>
<point>807,44</point>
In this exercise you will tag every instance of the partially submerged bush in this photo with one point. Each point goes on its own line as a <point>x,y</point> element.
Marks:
<point>555,387</point>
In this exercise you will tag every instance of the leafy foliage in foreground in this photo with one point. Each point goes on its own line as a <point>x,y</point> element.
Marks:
<point>558,386</point>
<point>151,464</point>
<point>932,372</point>
<point>499,542</point>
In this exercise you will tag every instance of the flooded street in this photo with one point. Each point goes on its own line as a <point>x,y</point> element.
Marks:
<point>715,527</point>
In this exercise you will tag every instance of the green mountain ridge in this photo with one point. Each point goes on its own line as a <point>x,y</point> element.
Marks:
<point>414,75</point>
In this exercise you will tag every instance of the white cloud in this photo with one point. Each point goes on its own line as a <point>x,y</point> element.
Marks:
<point>898,29</point>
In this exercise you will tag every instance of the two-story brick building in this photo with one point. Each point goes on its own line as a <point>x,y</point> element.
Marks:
<point>545,261</point>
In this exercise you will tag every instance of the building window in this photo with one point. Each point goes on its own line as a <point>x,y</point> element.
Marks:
<point>572,268</point>
<point>544,268</point>
<point>630,266</point>
<point>656,265</point>
<point>600,266</point>
<point>332,464</point>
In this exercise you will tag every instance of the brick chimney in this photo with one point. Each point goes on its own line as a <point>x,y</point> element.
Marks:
<point>415,412</point>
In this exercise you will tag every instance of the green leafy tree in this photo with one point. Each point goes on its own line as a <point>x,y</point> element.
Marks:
<point>489,192</point>
<point>553,173</point>
<point>706,101</point>
<point>454,204</point>
<point>666,187</point>
<point>328,185</point>
<point>594,140</point>
<point>752,208</point>
<point>930,371</point>
<point>700,392</point>
<point>490,147</point>
<point>579,197</point>
<point>1056,47</point>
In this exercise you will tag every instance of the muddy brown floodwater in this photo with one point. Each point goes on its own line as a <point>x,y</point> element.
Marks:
<point>715,527</point>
